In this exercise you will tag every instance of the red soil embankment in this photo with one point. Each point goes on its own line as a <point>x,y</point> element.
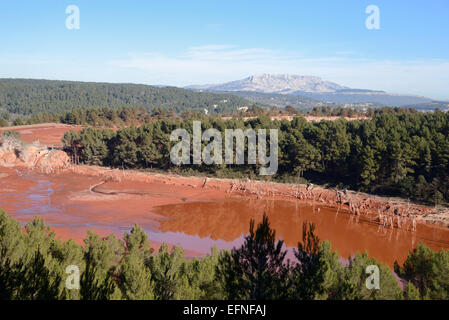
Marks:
<point>33,156</point>
<point>67,203</point>
<point>198,213</point>
<point>356,202</point>
<point>38,150</point>
<point>47,133</point>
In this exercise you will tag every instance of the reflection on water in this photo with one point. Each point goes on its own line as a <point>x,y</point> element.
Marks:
<point>197,226</point>
<point>228,220</point>
<point>37,200</point>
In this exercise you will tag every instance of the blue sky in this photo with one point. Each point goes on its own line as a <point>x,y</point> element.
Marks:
<point>195,42</point>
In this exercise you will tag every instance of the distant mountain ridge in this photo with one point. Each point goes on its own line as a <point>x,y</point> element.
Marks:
<point>279,83</point>
<point>312,87</point>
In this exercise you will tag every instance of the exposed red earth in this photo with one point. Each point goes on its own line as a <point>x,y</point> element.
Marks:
<point>179,210</point>
<point>47,133</point>
<point>198,213</point>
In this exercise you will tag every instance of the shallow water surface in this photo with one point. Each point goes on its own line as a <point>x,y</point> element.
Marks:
<point>228,220</point>
<point>173,215</point>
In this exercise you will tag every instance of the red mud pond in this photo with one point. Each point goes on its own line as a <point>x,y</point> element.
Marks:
<point>195,219</point>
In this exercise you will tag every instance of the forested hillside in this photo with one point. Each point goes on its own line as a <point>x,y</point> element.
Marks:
<point>393,154</point>
<point>23,96</point>
<point>279,100</point>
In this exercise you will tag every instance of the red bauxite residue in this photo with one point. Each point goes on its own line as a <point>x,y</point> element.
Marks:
<point>193,212</point>
<point>48,134</point>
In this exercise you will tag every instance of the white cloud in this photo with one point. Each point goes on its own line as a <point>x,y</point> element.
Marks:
<point>220,63</point>
<point>214,63</point>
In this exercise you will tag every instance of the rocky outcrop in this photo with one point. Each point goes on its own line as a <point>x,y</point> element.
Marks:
<point>32,156</point>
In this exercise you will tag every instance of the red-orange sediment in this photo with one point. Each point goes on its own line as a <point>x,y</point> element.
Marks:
<point>197,213</point>
<point>47,133</point>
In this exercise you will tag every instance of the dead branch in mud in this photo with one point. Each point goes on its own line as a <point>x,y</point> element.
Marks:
<point>384,211</point>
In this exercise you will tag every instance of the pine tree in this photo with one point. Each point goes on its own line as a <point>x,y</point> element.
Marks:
<point>257,270</point>
<point>94,285</point>
<point>411,292</point>
<point>308,276</point>
<point>34,280</point>
<point>134,274</point>
<point>166,267</point>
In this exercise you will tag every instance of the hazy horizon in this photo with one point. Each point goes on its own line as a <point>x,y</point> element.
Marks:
<point>181,44</point>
